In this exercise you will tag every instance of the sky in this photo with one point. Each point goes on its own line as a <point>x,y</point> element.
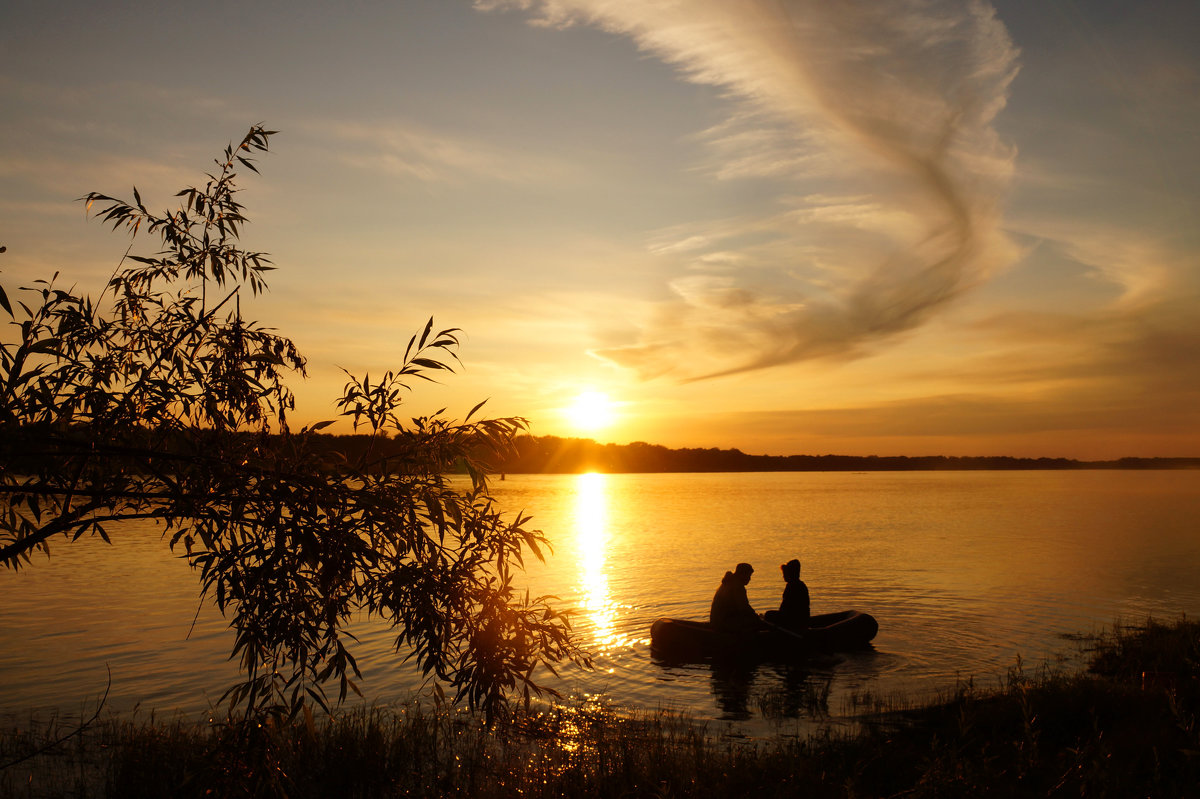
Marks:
<point>787,226</point>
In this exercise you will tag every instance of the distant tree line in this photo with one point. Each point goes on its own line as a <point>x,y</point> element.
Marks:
<point>554,455</point>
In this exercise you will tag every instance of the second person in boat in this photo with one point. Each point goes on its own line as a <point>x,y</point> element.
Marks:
<point>794,610</point>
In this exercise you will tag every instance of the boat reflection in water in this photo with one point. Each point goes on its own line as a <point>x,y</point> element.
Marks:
<point>772,690</point>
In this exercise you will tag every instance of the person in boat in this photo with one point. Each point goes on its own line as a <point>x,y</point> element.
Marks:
<point>794,610</point>
<point>730,606</point>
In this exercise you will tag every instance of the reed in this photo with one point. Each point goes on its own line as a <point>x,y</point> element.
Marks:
<point>1124,726</point>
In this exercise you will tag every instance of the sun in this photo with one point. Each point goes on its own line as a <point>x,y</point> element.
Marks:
<point>590,411</point>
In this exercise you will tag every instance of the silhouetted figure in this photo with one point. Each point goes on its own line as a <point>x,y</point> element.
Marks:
<point>730,607</point>
<point>794,610</point>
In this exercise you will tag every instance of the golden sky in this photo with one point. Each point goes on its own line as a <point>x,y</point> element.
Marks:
<point>788,226</point>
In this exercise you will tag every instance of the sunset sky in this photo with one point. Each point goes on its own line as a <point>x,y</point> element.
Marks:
<point>788,226</point>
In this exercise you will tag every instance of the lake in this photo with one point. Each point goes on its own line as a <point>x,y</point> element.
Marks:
<point>965,571</point>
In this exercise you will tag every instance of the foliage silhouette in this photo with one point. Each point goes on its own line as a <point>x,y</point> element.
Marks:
<point>158,401</point>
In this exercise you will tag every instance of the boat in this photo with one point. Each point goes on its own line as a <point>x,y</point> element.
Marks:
<point>683,640</point>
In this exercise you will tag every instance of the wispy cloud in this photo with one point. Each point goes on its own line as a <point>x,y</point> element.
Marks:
<point>895,100</point>
<point>65,141</point>
<point>412,152</point>
<point>1146,337</point>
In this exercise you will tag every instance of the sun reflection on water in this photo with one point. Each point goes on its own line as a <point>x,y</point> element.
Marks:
<point>592,543</point>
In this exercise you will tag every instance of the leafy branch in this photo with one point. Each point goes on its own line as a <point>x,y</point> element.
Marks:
<point>155,403</point>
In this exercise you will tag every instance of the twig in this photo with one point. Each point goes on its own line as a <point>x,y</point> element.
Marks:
<point>43,750</point>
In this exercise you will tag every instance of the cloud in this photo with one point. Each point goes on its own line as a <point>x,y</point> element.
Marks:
<point>410,152</point>
<point>1123,360</point>
<point>1148,337</point>
<point>1099,427</point>
<point>892,100</point>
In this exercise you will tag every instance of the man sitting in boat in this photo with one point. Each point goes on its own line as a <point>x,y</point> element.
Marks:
<point>794,611</point>
<point>730,606</point>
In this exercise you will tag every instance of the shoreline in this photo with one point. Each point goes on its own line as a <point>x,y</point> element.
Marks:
<point>1124,723</point>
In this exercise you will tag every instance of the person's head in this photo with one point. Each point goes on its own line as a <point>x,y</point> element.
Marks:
<point>791,570</point>
<point>743,572</point>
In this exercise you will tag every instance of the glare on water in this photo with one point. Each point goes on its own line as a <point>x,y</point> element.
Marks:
<point>591,539</point>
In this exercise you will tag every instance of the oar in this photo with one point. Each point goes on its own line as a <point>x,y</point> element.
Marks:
<point>798,637</point>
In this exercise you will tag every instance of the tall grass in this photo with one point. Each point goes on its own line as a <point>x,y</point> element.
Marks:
<point>1125,726</point>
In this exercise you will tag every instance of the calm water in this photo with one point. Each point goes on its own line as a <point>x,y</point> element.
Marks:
<point>964,571</point>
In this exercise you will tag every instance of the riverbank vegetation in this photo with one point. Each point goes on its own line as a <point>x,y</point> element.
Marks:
<point>1124,726</point>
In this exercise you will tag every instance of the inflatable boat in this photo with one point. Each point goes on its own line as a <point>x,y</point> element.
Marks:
<point>683,640</point>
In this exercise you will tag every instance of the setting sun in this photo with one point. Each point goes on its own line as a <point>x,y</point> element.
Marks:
<point>591,410</point>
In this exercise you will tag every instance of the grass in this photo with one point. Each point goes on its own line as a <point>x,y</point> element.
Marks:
<point>1125,726</point>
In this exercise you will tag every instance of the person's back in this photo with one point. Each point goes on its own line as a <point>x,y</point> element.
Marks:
<point>794,609</point>
<point>730,606</point>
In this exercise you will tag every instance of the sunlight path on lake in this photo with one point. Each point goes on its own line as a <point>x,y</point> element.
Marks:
<point>591,539</point>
